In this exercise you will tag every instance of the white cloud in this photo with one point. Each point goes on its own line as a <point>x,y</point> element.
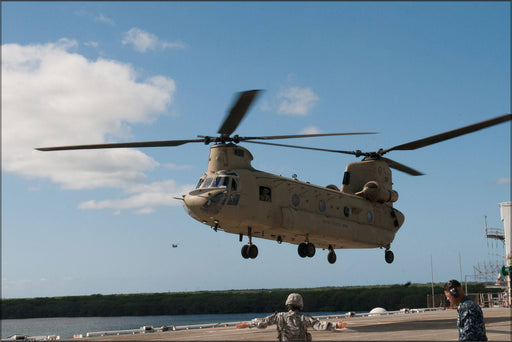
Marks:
<point>144,197</point>
<point>296,101</point>
<point>92,44</point>
<point>311,130</point>
<point>172,166</point>
<point>103,19</point>
<point>144,41</point>
<point>504,181</point>
<point>52,96</point>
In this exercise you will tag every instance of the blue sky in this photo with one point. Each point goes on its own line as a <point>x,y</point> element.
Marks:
<point>84,222</point>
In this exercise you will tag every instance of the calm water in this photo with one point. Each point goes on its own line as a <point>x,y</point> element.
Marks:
<point>66,327</point>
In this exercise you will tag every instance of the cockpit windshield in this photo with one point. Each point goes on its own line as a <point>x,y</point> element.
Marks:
<point>217,182</point>
<point>220,182</point>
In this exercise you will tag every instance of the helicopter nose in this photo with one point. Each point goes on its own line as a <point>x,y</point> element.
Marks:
<point>204,204</point>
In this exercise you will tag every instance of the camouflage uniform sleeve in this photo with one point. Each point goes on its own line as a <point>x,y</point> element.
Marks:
<point>316,324</point>
<point>471,323</point>
<point>262,323</point>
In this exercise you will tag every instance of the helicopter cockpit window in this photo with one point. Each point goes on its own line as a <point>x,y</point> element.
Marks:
<point>220,182</point>
<point>201,180</point>
<point>265,194</point>
<point>207,183</point>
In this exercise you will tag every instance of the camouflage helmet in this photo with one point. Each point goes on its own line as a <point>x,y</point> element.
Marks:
<point>295,299</point>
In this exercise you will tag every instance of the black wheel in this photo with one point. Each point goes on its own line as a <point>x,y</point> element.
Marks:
<point>252,251</point>
<point>302,250</point>
<point>310,250</point>
<point>245,251</point>
<point>331,257</point>
<point>389,256</point>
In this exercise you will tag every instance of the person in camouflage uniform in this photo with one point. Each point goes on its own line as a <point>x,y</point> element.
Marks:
<point>292,325</point>
<point>470,319</point>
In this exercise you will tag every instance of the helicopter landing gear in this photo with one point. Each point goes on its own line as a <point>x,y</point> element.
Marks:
<point>331,257</point>
<point>249,251</point>
<point>306,249</point>
<point>389,256</point>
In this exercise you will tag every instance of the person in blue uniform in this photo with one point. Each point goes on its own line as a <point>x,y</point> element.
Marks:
<point>470,319</point>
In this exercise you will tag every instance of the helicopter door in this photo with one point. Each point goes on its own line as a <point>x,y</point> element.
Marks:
<point>264,205</point>
<point>234,195</point>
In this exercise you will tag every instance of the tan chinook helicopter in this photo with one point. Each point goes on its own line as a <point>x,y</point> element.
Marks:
<point>234,197</point>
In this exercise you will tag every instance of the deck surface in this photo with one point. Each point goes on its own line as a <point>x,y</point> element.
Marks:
<point>426,326</point>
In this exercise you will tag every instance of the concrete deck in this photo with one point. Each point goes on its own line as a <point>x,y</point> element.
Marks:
<point>426,326</point>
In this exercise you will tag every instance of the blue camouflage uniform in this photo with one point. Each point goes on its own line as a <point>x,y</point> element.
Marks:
<point>470,321</point>
<point>292,325</point>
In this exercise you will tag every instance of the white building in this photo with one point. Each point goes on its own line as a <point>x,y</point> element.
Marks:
<point>506,211</point>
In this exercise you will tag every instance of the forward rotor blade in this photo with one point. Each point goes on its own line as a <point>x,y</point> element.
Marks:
<point>401,167</point>
<point>413,145</point>
<point>121,145</point>
<point>356,153</point>
<point>238,111</point>
<point>293,136</point>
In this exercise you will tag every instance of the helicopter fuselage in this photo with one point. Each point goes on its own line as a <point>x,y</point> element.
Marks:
<point>238,199</point>
<point>234,197</point>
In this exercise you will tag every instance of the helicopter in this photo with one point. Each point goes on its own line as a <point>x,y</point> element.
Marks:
<point>233,197</point>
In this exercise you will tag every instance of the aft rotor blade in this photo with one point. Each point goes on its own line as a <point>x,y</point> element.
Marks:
<point>401,167</point>
<point>356,153</point>
<point>293,136</point>
<point>449,135</point>
<point>238,111</point>
<point>121,145</point>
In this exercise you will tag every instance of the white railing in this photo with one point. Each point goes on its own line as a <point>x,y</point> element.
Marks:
<point>142,330</point>
<point>32,338</point>
<point>232,324</point>
<point>151,329</point>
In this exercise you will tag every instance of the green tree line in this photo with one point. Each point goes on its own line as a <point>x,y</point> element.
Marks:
<point>324,299</point>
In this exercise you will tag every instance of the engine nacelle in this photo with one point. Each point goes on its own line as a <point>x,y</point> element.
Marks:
<point>375,193</point>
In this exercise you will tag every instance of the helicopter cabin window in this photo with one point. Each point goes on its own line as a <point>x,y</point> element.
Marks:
<point>346,178</point>
<point>369,216</point>
<point>239,152</point>
<point>295,200</point>
<point>265,194</point>
<point>321,205</point>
